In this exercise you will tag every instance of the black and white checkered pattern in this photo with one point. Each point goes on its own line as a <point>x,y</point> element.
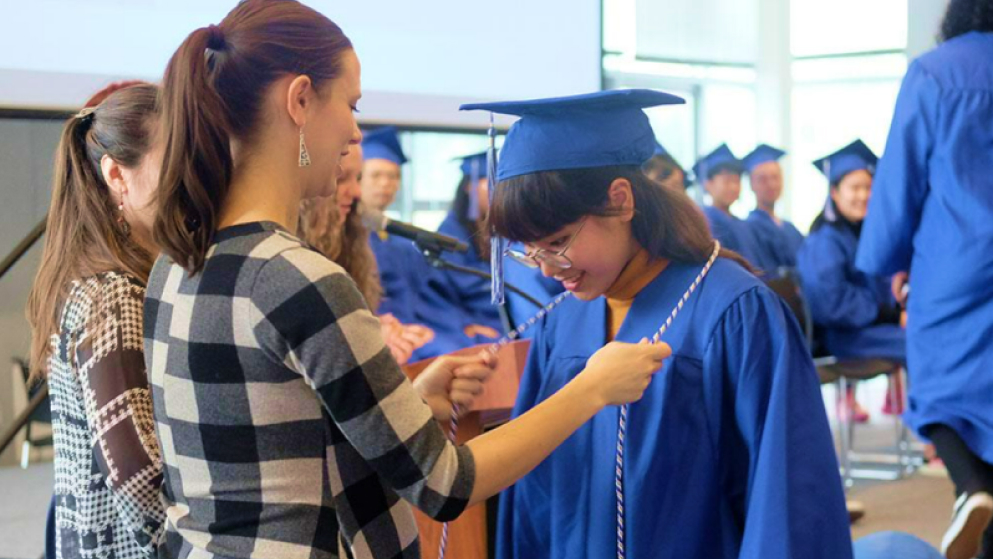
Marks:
<point>282,416</point>
<point>108,468</point>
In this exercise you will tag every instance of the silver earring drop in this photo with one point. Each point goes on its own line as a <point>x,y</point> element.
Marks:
<point>304,154</point>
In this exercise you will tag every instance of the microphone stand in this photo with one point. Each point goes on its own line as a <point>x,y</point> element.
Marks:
<point>432,252</point>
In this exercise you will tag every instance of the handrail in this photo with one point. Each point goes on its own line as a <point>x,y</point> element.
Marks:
<point>25,416</point>
<point>23,247</point>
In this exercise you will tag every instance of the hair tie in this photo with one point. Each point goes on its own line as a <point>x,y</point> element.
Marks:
<point>215,38</point>
<point>85,114</point>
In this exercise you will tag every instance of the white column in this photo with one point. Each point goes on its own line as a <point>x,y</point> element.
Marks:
<point>774,86</point>
<point>923,22</point>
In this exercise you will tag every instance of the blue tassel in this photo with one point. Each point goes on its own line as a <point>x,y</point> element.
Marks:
<point>496,242</point>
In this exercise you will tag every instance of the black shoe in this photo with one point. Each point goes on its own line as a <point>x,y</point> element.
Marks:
<point>972,516</point>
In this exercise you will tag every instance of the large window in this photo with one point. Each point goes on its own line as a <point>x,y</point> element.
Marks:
<point>841,63</point>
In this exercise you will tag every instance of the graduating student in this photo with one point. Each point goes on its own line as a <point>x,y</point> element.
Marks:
<point>857,314</point>
<point>775,238</point>
<point>401,268</point>
<point>932,213</point>
<point>456,305</point>
<point>663,168</point>
<point>286,427</point>
<point>720,173</point>
<point>729,455</point>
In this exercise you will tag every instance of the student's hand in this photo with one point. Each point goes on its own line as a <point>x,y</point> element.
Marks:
<point>400,348</point>
<point>474,330</point>
<point>417,334</point>
<point>620,372</point>
<point>899,287</point>
<point>454,380</point>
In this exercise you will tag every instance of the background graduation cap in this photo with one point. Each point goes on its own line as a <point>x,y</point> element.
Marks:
<point>383,143</point>
<point>856,156</point>
<point>764,153</point>
<point>719,159</point>
<point>577,132</point>
<point>474,167</point>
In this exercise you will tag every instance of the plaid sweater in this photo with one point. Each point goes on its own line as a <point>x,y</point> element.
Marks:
<point>287,429</point>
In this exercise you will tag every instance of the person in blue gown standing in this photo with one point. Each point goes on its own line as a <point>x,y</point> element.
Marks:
<point>729,455</point>
<point>776,239</point>
<point>401,267</point>
<point>932,213</point>
<point>720,174</point>
<point>457,305</point>
<point>856,313</point>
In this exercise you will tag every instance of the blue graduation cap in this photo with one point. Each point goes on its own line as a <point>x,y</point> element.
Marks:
<point>720,158</point>
<point>764,153</point>
<point>659,149</point>
<point>383,143</point>
<point>475,167</point>
<point>855,156</point>
<point>577,132</point>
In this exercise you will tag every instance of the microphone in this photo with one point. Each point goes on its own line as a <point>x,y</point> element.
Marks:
<point>424,239</point>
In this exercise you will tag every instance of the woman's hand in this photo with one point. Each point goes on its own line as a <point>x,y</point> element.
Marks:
<point>900,287</point>
<point>474,330</point>
<point>619,373</point>
<point>393,334</point>
<point>454,380</point>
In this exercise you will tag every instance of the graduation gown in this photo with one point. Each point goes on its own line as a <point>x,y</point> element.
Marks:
<point>844,301</point>
<point>931,213</point>
<point>729,453</point>
<point>734,234</point>
<point>401,268</point>
<point>778,243</point>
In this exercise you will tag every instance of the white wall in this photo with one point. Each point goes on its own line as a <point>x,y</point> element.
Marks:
<point>419,58</point>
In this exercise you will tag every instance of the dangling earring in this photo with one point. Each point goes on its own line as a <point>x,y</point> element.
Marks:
<point>304,154</point>
<point>125,226</point>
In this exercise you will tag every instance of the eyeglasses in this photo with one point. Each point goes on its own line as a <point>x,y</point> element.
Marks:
<point>539,256</point>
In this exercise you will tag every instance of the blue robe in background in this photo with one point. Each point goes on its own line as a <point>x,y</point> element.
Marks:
<point>931,213</point>
<point>401,268</point>
<point>729,453</point>
<point>777,243</point>
<point>734,234</point>
<point>845,301</point>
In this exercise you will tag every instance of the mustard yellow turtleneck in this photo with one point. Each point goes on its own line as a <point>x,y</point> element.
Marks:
<point>638,273</point>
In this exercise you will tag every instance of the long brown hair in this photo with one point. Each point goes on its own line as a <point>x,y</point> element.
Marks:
<point>478,232</point>
<point>345,244</point>
<point>213,92</point>
<point>83,236</point>
<point>667,224</point>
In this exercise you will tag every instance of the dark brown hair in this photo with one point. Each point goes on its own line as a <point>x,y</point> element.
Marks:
<point>667,224</point>
<point>213,92</point>
<point>345,244</point>
<point>476,228</point>
<point>964,16</point>
<point>83,236</point>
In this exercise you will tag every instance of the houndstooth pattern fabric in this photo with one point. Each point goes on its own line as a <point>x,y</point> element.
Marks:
<point>108,466</point>
<point>287,428</point>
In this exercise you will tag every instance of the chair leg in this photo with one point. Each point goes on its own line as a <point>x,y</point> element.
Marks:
<point>845,434</point>
<point>25,454</point>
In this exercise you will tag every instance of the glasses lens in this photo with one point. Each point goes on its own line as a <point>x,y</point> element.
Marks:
<point>522,258</point>
<point>554,260</point>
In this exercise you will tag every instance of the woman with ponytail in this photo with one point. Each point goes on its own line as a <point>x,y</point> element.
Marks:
<point>85,311</point>
<point>287,427</point>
